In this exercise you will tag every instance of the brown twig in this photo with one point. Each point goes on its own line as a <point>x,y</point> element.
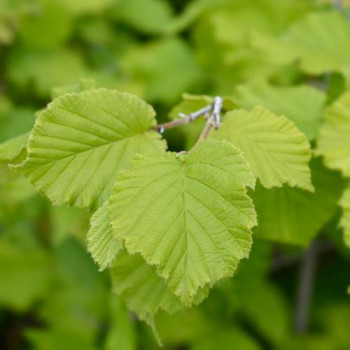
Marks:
<point>184,120</point>
<point>206,131</point>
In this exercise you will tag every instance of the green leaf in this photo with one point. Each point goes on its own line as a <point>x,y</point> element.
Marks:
<point>189,215</point>
<point>291,215</point>
<point>334,141</point>
<point>141,288</point>
<point>302,104</point>
<point>276,150</point>
<point>345,220</point>
<point>326,46</point>
<point>81,141</point>
<point>13,148</point>
<point>102,245</point>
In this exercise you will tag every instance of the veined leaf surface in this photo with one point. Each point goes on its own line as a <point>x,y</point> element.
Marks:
<point>276,150</point>
<point>81,141</point>
<point>102,244</point>
<point>189,214</point>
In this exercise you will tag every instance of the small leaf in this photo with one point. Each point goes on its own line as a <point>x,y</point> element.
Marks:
<point>188,215</point>
<point>334,140</point>
<point>276,150</point>
<point>142,289</point>
<point>81,141</point>
<point>13,148</point>
<point>102,245</point>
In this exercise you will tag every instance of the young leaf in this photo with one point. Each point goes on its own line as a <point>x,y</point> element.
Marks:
<point>334,140</point>
<point>81,141</point>
<point>142,289</point>
<point>102,245</point>
<point>13,148</point>
<point>345,220</point>
<point>295,216</point>
<point>276,150</point>
<point>303,105</point>
<point>188,215</point>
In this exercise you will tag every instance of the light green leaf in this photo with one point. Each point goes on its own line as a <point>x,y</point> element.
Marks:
<point>102,244</point>
<point>291,215</point>
<point>334,140</point>
<point>276,150</point>
<point>345,220</point>
<point>13,148</point>
<point>326,46</point>
<point>302,104</point>
<point>188,215</point>
<point>139,285</point>
<point>81,141</point>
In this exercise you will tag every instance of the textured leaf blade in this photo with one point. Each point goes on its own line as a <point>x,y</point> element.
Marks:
<point>188,215</point>
<point>276,150</point>
<point>140,287</point>
<point>81,141</point>
<point>13,148</point>
<point>102,244</point>
<point>334,141</point>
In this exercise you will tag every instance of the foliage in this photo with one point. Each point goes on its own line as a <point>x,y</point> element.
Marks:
<point>129,220</point>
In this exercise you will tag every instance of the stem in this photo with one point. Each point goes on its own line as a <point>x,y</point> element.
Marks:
<point>206,131</point>
<point>305,287</point>
<point>183,121</point>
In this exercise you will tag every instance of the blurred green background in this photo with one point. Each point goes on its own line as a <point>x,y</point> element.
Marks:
<point>52,296</point>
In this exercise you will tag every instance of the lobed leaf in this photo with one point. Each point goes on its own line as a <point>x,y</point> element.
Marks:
<point>81,141</point>
<point>189,215</point>
<point>276,150</point>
